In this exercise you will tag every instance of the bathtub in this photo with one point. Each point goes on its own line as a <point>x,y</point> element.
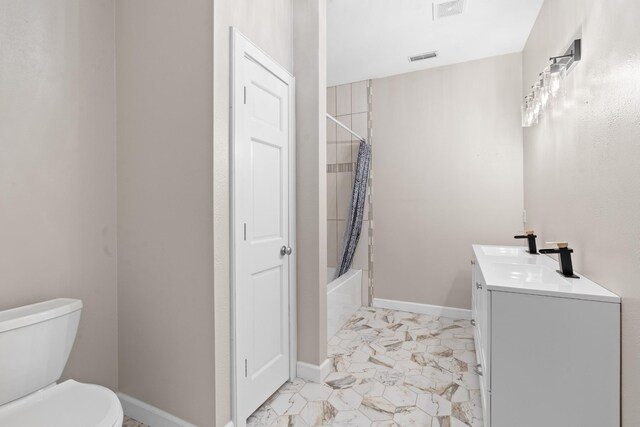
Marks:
<point>344,297</point>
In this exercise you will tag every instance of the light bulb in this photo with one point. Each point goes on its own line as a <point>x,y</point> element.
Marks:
<point>544,97</point>
<point>540,95</point>
<point>543,93</point>
<point>557,73</point>
<point>532,113</point>
<point>526,122</point>
<point>546,76</point>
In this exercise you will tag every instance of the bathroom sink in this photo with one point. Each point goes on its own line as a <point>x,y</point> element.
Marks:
<point>525,273</point>
<point>508,255</point>
<point>513,269</point>
<point>504,251</point>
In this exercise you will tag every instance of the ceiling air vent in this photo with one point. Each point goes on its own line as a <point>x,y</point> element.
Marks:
<point>423,56</point>
<point>445,9</point>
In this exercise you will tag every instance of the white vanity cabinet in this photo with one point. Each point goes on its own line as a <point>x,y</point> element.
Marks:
<point>481,331</point>
<point>548,348</point>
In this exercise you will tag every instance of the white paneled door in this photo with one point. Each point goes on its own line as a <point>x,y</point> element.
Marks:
<point>263,243</point>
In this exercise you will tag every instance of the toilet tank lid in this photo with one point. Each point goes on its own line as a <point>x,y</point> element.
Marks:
<point>35,313</point>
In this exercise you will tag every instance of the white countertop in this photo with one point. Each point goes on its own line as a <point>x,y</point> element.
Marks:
<point>513,269</point>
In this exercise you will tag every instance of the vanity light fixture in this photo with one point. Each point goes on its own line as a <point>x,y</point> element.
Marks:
<point>550,84</point>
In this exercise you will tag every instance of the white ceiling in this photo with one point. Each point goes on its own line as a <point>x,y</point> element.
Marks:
<point>374,38</point>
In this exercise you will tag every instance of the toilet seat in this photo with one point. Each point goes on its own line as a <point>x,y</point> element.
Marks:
<point>69,404</point>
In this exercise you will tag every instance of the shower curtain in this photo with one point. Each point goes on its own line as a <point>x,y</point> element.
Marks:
<point>356,210</point>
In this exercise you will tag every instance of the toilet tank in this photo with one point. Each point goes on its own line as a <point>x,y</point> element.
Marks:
<point>35,342</point>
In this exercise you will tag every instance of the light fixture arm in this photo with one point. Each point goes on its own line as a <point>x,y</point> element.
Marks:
<point>555,58</point>
<point>572,55</point>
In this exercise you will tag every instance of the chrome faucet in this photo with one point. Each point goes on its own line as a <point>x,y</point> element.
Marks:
<point>566,266</point>
<point>531,239</point>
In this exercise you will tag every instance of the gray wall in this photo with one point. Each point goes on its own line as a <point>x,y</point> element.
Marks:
<point>448,173</point>
<point>581,169</point>
<point>58,169</point>
<point>165,198</point>
<point>309,49</point>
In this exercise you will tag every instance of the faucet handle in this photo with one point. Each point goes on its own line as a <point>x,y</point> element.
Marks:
<point>526,234</point>
<point>561,245</point>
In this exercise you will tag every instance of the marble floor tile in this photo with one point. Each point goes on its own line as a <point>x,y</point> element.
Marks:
<point>130,422</point>
<point>388,369</point>
<point>345,400</point>
<point>400,396</point>
<point>351,419</point>
<point>288,403</point>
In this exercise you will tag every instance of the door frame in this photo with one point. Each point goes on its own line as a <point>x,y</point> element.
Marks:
<point>240,48</point>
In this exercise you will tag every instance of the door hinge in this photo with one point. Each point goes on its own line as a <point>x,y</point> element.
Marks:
<point>245,368</point>
<point>245,231</point>
<point>524,216</point>
<point>245,95</point>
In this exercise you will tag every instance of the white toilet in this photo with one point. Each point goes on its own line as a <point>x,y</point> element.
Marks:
<point>35,342</point>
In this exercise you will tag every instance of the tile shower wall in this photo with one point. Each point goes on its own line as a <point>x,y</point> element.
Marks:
<point>350,104</point>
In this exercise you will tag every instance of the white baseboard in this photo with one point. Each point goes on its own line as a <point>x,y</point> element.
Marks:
<point>413,307</point>
<point>229,424</point>
<point>313,373</point>
<point>150,415</point>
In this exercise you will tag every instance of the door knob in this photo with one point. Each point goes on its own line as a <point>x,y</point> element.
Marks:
<point>285,250</point>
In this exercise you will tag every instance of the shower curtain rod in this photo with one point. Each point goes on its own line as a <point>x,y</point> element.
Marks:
<point>347,129</point>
